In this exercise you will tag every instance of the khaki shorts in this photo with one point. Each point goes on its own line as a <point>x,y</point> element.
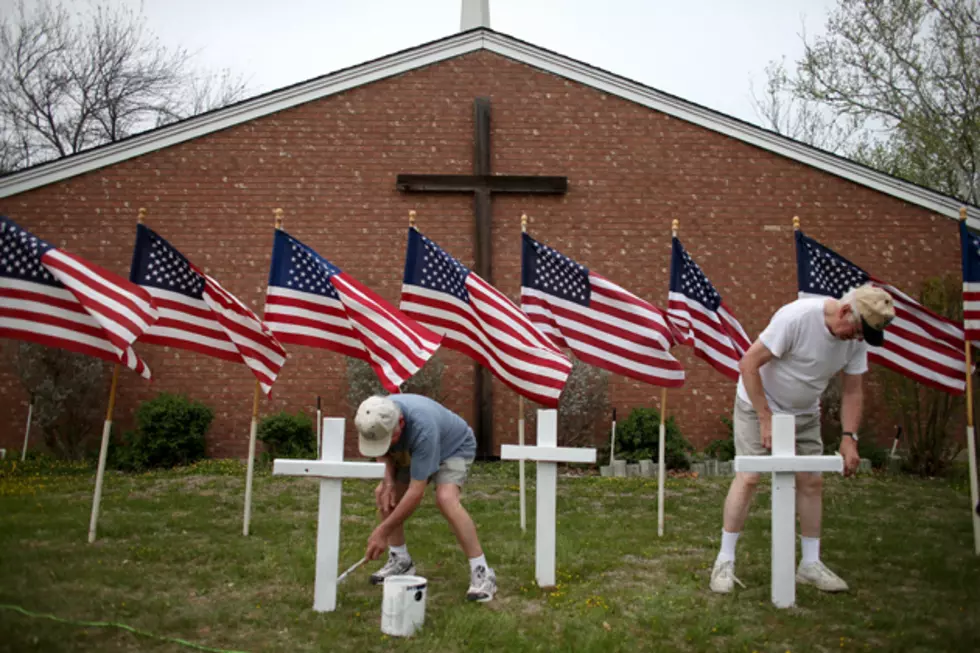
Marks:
<point>748,441</point>
<point>451,470</point>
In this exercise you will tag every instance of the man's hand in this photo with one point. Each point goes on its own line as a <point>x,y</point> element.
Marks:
<point>384,496</point>
<point>849,449</point>
<point>376,544</point>
<point>765,431</point>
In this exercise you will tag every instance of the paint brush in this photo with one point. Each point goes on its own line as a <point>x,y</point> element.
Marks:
<point>353,567</point>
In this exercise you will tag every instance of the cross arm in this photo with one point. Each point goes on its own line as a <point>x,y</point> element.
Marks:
<point>764,464</point>
<point>547,454</point>
<point>326,469</point>
<point>491,183</point>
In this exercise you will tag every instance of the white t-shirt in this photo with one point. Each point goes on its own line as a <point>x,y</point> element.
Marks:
<point>806,356</point>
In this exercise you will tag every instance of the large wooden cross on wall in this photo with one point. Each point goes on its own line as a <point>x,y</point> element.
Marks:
<point>482,184</point>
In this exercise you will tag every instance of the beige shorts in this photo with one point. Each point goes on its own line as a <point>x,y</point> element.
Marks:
<point>451,470</point>
<point>748,442</point>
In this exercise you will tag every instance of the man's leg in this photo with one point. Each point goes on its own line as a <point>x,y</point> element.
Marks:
<point>748,442</point>
<point>809,506</point>
<point>449,480</point>
<point>399,561</point>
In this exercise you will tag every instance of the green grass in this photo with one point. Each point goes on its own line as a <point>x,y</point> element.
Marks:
<point>171,560</point>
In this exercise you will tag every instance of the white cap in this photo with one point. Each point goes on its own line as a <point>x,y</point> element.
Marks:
<point>375,421</point>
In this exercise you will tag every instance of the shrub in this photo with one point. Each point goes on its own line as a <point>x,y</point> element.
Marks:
<point>638,438</point>
<point>69,394</point>
<point>723,448</point>
<point>288,436</point>
<point>584,401</point>
<point>362,382</point>
<point>170,431</point>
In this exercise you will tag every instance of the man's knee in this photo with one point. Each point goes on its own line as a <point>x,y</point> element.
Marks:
<point>447,497</point>
<point>748,480</point>
<point>809,482</point>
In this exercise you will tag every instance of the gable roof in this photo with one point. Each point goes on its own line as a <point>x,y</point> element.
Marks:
<point>454,46</point>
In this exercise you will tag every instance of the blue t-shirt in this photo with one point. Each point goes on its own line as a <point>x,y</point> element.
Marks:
<point>432,434</point>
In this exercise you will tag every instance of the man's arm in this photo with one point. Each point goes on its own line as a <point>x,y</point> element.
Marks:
<point>757,356</point>
<point>851,400</point>
<point>409,502</point>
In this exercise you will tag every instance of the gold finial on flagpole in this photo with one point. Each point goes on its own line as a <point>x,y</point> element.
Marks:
<point>962,213</point>
<point>278,214</point>
<point>524,223</point>
<point>141,216</point>
<point>674,226</point>
<point>411,219</point>
<point>796,223</point>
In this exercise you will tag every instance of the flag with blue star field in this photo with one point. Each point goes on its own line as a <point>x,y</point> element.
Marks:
<point>919,344</point>
<point>478,320</point>
<point>198,314</point>
<point>970,250</point>
<point>51,297</point>
<point>602,323</point>
<point>698,313</point>
<point>314,303</point>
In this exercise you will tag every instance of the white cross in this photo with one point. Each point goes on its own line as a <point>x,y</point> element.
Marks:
<point>331,470</point>
<point>784,464</point>
<point>547,454</point>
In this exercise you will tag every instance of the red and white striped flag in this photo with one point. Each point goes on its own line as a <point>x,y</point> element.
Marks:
<point>602,323</point>
<point>919,344</point>
<point>54,298</point>
<point>197,314</point>
<point>314,303</point>
<point>698,313</point>
<point>478,320</point>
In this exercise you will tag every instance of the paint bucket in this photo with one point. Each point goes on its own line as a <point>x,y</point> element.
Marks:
<point>403,605</point>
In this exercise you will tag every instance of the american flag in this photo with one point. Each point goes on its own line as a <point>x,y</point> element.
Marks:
<point>603,324</point>
<point>970,249</point>
<point>314,303</point>
<point>197,314</point>
<point>479,321</point>
<point>919,344</point>
<point>54,298</point>
<point>698,313</point>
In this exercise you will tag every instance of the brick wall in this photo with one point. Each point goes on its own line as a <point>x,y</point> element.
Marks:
<point>331,165</point>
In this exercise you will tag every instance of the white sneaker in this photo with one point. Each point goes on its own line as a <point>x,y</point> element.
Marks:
<point>817,574</point>
<point>723,577</point>
<point>483,585</point>
<point>396,566</point>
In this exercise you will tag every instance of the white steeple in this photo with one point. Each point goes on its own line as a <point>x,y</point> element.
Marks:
<point>476,13</point>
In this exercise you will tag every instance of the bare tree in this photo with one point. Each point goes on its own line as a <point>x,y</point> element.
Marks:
<point>72,82</point>
<point>903,78</point>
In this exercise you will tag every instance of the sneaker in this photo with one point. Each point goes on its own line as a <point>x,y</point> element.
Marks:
<point>396,566</point>
<point>483,585</point>
<point>817,574</point>
<point>723,577</point>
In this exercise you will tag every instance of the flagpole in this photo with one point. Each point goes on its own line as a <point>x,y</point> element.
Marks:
<point>252,431</point>
<point>662,447</point>
<point>100,474</point>
<point>520,428</point>
<point>27,431</point>
<point>970,437</point>
<point>319,420</point>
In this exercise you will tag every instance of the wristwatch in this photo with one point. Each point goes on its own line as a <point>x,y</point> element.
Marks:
<point>851,434</point>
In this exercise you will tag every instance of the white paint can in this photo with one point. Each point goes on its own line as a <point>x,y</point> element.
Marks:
<point>403,605</point>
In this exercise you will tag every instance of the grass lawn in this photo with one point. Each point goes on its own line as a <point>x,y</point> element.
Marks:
<point>171,560</point>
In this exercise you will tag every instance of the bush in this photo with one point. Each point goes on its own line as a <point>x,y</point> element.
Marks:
<point>362,382</point>
<point>583,402</point>
<point>638,438</point>
<point>288,436</point>
<point>170,431</point>
<point>723,448</point>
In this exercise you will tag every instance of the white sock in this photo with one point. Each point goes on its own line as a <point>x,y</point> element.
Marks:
<point>728,541</point>
<point>476,562</point>
<point>401,551</point>
<point>811,549</point>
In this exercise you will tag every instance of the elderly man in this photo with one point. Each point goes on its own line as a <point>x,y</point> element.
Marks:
<point>786,370</point>
<point>420,442</point>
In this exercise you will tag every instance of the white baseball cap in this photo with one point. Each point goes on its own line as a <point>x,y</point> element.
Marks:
<point>375,421</point>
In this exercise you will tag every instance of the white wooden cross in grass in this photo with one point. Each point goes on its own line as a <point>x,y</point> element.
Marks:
<point>547,454</point>
<point>784,464</point>
<point>331,470</point>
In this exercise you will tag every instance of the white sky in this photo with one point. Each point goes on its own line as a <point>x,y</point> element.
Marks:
<point>705,51</point>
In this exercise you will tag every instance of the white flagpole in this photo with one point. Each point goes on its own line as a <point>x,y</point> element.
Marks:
<point>27,431</point>
<point>612,441</point>
<point>520,428</point>
<point>99,475</point>
<point>661,471</point>
<point>251,459</point>
<point>319,427</point>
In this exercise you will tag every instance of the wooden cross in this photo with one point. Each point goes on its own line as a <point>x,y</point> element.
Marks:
<point>547,454</point>
<point>482,184</point>
<point>784,464</point>
<point>331,470</point>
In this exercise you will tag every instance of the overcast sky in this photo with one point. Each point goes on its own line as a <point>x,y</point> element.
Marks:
<point>706,51</point>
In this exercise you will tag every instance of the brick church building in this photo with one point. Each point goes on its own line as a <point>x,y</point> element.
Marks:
<point>329,152</point>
